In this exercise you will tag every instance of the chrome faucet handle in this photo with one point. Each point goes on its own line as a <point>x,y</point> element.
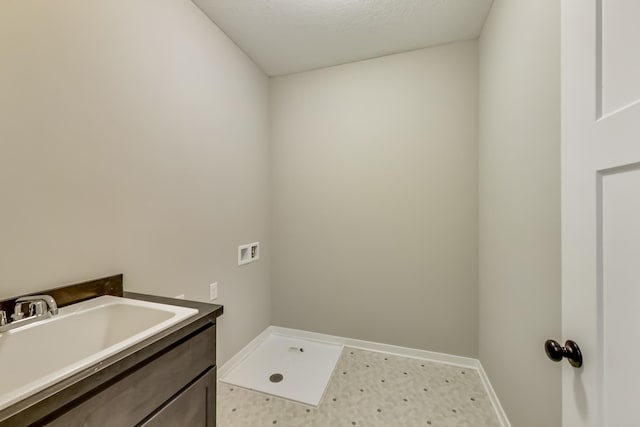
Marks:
<point>3,318</point>
<point>17,312</point>
<point>37,308</point>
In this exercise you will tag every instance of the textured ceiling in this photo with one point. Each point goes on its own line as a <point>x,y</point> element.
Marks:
<point>287,36</point>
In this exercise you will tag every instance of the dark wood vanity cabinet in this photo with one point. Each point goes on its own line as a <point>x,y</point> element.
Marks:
<point>173,388</point>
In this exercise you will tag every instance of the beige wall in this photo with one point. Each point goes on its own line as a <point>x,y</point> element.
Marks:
<point>133,138</point>
<point>519,289</point>
<point>375,199</point>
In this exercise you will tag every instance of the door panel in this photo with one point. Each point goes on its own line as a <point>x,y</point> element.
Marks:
<point>617,24</point>
<point>600,192</point>
<point>620,298</point>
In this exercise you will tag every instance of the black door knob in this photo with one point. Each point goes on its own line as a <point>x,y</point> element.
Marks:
<point>571,351</point>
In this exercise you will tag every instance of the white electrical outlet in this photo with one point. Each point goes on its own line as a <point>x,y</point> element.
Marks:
<point>181,296</point>
<point>213,291</point>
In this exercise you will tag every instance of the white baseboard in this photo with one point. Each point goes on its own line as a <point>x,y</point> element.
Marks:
<point>465,362</point>
<point>502,416</point>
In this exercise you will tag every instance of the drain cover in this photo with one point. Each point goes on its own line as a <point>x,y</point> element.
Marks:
<point>276,378</point>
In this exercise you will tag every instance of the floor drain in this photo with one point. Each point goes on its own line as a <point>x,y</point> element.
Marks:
<point>276,378</point>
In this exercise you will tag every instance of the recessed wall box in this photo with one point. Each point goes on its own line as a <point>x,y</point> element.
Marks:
<point>248,253</point>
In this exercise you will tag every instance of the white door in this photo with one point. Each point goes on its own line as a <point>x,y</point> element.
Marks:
<point>601,210</point>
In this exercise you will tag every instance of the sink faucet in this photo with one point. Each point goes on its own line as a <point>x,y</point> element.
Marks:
<point>40,307</point>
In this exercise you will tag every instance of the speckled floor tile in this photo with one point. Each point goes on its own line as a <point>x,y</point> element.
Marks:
<point>371,389</point>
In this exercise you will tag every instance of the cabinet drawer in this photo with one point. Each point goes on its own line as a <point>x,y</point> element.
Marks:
<point>148,386</point>
<point>194,407</point>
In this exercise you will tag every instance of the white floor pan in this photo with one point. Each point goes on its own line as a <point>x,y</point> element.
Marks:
<point>291,368</point>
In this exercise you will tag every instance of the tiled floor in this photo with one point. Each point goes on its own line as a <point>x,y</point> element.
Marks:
<point>371,389</point>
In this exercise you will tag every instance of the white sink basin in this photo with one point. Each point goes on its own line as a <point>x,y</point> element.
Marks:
<point>38,355</point>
